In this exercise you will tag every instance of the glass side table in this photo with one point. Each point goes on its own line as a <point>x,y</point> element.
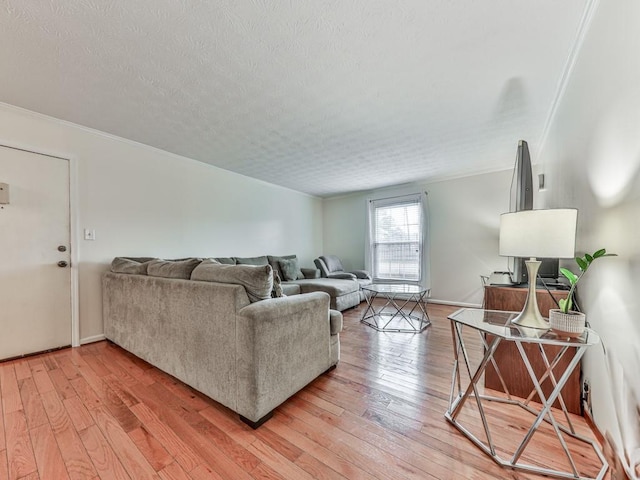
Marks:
<point>391,317</point>
<point>498,326</point>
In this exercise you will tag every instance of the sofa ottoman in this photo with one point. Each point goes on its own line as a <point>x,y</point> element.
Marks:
<point>344,293</point>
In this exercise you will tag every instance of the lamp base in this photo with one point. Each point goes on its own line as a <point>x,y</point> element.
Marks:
<point>530,315</point>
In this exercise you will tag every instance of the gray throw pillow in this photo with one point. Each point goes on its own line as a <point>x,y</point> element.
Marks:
<point>131,266</point>
<point>172,268</point>
<point>257,280</point>
<point>290,269</point>
<point>273,261</point>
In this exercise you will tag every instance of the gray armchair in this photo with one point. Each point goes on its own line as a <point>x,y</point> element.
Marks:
<point>330,266</point>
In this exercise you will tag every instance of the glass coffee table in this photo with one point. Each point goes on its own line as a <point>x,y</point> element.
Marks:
<point>391,316</point>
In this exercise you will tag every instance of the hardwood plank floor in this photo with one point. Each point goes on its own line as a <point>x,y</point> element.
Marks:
<point>99,412</point>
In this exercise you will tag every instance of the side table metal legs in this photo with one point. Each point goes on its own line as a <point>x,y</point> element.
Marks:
<point>460,394</point>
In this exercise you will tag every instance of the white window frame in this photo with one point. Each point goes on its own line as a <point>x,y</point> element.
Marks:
<point>372,205</point>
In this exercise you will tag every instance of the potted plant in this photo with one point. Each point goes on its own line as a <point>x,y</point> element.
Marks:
<point>564,321</point>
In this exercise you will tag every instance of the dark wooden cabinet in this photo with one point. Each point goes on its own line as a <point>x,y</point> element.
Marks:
<point>508,359</point>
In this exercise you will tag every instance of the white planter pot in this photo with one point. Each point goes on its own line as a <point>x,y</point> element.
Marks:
<point>567,324</point>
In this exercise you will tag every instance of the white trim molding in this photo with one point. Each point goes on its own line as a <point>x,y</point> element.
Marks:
<point>453,304</point>
<point>92,339</point>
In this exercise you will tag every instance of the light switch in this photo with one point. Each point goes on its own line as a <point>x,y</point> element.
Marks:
<point>89,234</point>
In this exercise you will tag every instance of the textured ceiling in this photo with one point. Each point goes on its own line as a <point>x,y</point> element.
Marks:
<point>324,97</point>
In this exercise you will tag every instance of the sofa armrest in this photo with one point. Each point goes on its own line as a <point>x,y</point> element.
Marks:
<point>310,273</point>
<point>342,275</point>
<point>336,321</point>
<point>282,344</point>
<point>362,274</point>
<point>319,263</point>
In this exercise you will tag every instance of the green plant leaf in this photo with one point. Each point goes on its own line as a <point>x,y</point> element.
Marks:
<point>565,304</point>
<point>572,277</point>
<point>601,253</point>
<point>582,264</point>
<point>588,258</point>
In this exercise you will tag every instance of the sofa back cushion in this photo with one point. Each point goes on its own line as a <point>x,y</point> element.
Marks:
<point>252,260</point>
<point>172,268</point>
<point>131,265</point>
<point>257,280</point>
<point>333,263</point>
<point>226,260</point>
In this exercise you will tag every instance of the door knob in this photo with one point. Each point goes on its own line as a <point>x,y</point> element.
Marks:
<point>62,264</point>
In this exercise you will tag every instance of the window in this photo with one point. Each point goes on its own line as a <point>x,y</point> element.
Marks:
<point>396,239</point>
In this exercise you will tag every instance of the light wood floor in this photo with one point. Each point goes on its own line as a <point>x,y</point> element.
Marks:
<point>98,412</point>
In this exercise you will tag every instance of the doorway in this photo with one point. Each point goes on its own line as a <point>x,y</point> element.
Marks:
<point>35,253</point>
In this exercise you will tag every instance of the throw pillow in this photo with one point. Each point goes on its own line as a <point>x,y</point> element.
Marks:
<point>172,268</point>
<point>257,280</point>
<point>277,287</point>
<point>290,269</point>
<point>131,266</point>
<point>273,261</point>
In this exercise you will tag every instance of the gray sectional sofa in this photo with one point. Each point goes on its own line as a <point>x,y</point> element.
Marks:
<point>217,328</point>
<point>344,292</point>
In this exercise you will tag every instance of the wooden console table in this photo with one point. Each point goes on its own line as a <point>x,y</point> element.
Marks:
<point>514,373</point>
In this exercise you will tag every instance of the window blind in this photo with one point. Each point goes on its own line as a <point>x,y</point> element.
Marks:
<point>396,243</point>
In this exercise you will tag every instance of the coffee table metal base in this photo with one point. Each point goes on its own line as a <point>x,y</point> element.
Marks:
<point>392,317</point>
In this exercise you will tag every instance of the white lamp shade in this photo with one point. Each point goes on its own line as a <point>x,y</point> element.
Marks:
<point>539,233</point>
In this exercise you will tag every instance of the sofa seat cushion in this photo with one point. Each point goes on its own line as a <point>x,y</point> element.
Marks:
<point>290,288</point>
<point>333,286</point>
<point>173,268</point>
<point>257,280</point>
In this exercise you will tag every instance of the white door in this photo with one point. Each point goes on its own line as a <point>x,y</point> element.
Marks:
<point>35,276</point>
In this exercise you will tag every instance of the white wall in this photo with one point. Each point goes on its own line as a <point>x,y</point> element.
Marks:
<point>145,202</point>
<point>592,161</point>
<point>464,219</point>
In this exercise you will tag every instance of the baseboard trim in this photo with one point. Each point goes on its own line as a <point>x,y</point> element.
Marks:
<point>454,304</point>
<point>27,355</point>
<point>93,339</point>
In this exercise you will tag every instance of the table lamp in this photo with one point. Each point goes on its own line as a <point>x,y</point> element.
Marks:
<point>537,233</point>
